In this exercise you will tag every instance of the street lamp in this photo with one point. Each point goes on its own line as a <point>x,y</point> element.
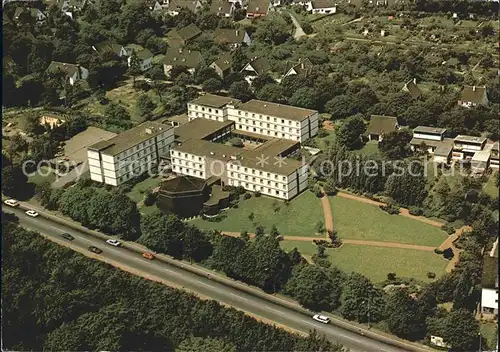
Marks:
<point>368,301</point>
<point>480,342</point>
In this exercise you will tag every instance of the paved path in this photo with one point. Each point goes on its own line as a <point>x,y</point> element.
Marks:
<point>299,32</point>
<point>448,243</point>
<point>327,211</point>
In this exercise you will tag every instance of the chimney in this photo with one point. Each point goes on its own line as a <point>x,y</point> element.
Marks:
<point>184,59</point>
<point>220,8</point>
<point>175,59</point>
<point>414,81</point>
<point>149,131</point>
<point>180,51</point>
<point>189,51</point>
<point>212,153</point>
<point>473,88</point>
<point>257,9</point>
<point>237,32</point>
<point>302,65</point>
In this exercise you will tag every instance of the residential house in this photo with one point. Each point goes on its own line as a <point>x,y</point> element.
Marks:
<point>412,88</point>
<point>222,8</point>
<point>302,67</point>
<point>257,8</point>
<point>480,161</point>
<point>494,158</point>
<point>175,6</point>
<point>472,96</point>
<point>430,136</point>
<point>23,14</point>
<point>178,57</point>
<point>223,65</point>
<point>322,6</point>
<point>72,72</point>
<point>232,37</point>
<point>255,67</point>
<point>178,38</point>
<point>129,154</point>
<point>489,283</point>
<point>73,7</point>
<point>110,47</point>
<point>464,147</point>
<point>145,59</point>
<point>380,125</point>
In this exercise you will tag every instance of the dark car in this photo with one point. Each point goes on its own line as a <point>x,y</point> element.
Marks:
<point>94,249</point>
<point>67,236</point>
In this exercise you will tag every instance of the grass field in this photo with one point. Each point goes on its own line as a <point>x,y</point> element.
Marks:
<point>295,219</point>
<point>376,262</point>
<point>370,149</point>
<point>42,175</point>
<point>488,331</point>
<point>360,221</point>
<point>490,187</point>
<point>137,192</point>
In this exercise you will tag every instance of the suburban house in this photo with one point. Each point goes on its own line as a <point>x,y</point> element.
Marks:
<point>412,88</point>
<point>380,125</point>
<point>464,147</point>
<point>72,7</point>
<point>432,141</point>
<point>223,65</point>
<point>110,47</point>
<point>129,154</point>
<point>72,72</point>
<point>145,59</point>
<point>232,37</point>
<point>489,283</point>
<point>301,67</point>
<point>178,57</point>
<point>177,38</point>
<point>25,13</point>
<point>257,117</point>
<point>174,6</point>
<point>257,8</point>
<point>480,161</point>
<point>256,67</point>
<point>494,158</point>
<point>322,6</point>
<point>222,8</point>
<point>472,96</point>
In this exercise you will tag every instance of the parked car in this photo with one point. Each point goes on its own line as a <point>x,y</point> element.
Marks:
<point>321,318</point>
<point>32,213</point>
<point>94,249</point>
<point>148,255</point>
<point>114,243</point>
<point>11,202</point>
<point>67,236</point>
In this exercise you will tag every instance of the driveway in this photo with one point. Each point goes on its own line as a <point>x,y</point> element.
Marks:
<point>299,32</point>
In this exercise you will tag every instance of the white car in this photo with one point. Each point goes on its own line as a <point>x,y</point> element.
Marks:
<point>114,243</point>
<point>32,213</point>
<point>321,318</point>
<point>11,202</point>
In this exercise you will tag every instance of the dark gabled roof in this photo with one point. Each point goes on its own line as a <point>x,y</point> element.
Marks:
<point>108,46</point>
<point>227,35</point>
<point>473,94</point>
<point>67,68</point>
<point>188,58</point>
<point>260,65</point>
<point>302,66</point>
<point>189,32</point>
<point>224,62</point>
<point>412,88</point>
<point>258,6</point>
<point>144,54</point>
<point>183,184</point>
<point>178,4</point>
<point>322,4</point>
<point>490,271</point>
<point>221,7</point>
<point>381,124</point>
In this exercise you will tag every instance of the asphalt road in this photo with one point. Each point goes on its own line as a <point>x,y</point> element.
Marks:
<point>204,286</point>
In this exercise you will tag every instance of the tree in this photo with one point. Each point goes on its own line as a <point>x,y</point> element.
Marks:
<point>314,288</point>
<point>200,344</point>
<point>404,318</point>
<point>17,144</point>
<point>14,181</point>
<point>349,134</point>
<point>239,59</point>
<point>162,233</point>
<point>212,85</point>
<point>341,107</point>
<point>145,106</point>
<point>304,98</point>
<point>395,145</point>
<point>330,187</point>
<point>32,125</point>
<point>208,21</point>
<point>195,245</point>
<point>271,92</point>
<point>409,187</point>
<point>361,301</point>
<point>459,329</point>
<point>116,112</point>
<point>319,227</point>
<point>241,90</point>
<point>134,66</point>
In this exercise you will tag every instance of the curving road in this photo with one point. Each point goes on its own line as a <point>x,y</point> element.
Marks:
<point>204,286</point>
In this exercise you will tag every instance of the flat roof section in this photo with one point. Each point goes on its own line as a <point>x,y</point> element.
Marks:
<point>429,130</point>
<point>278,110</point>
<point>208,149</point>
<point>470,139</point>
<point>215,101</point>
<point>199,129</point>
<point>482,155</point>
<point>130,138</point>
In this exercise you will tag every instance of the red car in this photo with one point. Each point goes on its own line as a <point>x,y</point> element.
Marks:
<point>148,255</point>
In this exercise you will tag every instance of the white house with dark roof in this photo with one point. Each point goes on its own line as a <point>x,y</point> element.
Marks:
<point>255,67</point>
<point>473,96</point>
<point>174,6</point>
<point>489,284</point>
<point>494,158</point>
<point>413,89</point>
<point>298,68</point>
<point>222,8</point>
<point>72,72</point>
<point>380,125</point>
<point>145,59</point>
<point>223,65</point>
<point>232,37</point>
<point>191,59</point>
<point>430,137</point>
<point>257,8</point>
<point>110,47</point>
<point>464,147</point>
<point>322,6</point>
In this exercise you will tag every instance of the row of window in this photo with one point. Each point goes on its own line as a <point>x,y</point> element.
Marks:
<point>257,180</point>
<point>258,188</point>
<point>203,109</point>
<point>272,127</point>
<point>187,163</point>
<point>267,132</point>
<point>185,155</point>
<point>186,171</point>
<point>267,118</point>
<point>254,172</point>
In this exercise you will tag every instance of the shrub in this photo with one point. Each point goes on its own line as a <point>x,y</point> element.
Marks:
<point>438,251</point>
<point>236,142</point>
<point>417,211</point>
<point>247,196</point>
<point>431,275</point>
<point>391,276</point>
<point>257,194</point>
<point>448,228</point>
<point>448,253</point>
<point>389,208</point>
<point>149,198</point>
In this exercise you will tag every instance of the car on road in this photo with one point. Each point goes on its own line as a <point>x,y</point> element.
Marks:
<point>321,318</point>
<point>67,236</point>
<point>32,213</point>
<point>11,202</point>
<point>148,255</point>
<point>113,242</point>
<point>94,249</point>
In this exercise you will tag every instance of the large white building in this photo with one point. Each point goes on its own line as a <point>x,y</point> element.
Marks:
<point>130,153</point>
<point>258,117</point>
<point>489,283</point>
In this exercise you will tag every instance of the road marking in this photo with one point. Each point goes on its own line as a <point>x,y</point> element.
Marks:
<point>274,310</point>
<point>234,294</point>
<point>204,284</point>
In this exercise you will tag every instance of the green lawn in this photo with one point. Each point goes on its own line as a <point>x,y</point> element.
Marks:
<point>370,149</point>
<point>356,220</point>
<point>488,331</point>
<point>376,262</point>
<point>137,192</point>
<point>324,142</point>
<point>295,219</point>
<point>490,187</point>
<point>41,176</point>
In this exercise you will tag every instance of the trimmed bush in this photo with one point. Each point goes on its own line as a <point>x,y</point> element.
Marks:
<point>247,196</point>
<point>389,208</point>
<point>257,194</point>
<point>448,228</point>
<point>438,251</point>
<point>417,211</point>
<point>431,275</point>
